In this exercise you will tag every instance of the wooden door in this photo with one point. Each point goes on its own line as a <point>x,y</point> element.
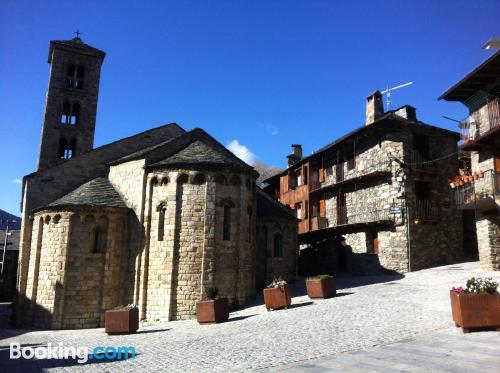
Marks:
<point>375,245</point>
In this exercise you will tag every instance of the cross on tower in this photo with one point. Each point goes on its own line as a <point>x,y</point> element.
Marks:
<point>77,33</point>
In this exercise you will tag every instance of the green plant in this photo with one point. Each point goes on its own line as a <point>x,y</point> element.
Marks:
<point>481,285</point>
<point>212,292</point>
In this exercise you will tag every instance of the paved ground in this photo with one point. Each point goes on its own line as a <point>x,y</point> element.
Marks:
<point>383,323</point>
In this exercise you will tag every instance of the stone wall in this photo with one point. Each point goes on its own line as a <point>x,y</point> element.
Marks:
<point>384,199</point>
<point>270,266</point>
<point>45,186</point>
<point>487,225</point>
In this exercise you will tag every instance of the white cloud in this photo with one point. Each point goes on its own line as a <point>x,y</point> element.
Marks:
<point>17,181</point>
<point>241,151</point>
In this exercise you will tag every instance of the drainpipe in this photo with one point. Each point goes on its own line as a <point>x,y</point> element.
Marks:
<point>408,237</point>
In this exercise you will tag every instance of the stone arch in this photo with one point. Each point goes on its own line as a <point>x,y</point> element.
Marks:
<point>154,181</point>
<point>164,180</point>
<point>89,218</point>
<point>235,180</point>
<point>199,179</point>
<point>221,179</point>
<point>47,219</point>
<point>57,218</point>
<point>182,178</point>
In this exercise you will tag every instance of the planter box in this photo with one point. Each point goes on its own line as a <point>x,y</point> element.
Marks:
<point>277,297</point>
<point>122,321</point>
<point>324,288</point>
<point>475,310</point>
<point>212,311</point>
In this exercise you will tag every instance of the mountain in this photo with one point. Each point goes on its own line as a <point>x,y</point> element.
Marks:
<point>4,216</point>
<point>265,172</point>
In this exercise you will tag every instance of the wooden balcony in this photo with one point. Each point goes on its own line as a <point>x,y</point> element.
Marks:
<point>365,169</point>
<point>318,222</point>
<point>481,195</point>
<point>482,131</point>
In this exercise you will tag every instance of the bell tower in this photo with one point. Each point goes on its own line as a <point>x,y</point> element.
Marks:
<point>71,101</point>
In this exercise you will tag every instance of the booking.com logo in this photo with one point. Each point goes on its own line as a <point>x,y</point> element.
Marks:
<point>82,354</point>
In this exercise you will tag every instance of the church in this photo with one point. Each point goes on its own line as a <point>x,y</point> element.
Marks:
<point>153,219</point>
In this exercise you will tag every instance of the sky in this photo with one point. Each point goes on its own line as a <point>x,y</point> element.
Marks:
<point>256,75</point>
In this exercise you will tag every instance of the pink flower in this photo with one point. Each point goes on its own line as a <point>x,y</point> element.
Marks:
<point>458,290</point>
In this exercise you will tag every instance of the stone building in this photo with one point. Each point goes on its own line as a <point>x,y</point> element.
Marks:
<point>383,188</point>
<point>479,91</point>
<point>9,254</point>
<point>153,219</point>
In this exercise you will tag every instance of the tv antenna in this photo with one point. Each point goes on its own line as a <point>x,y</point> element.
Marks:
<point>388,91</point>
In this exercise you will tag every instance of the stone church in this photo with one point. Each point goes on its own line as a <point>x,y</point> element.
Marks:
<point>152,219</point>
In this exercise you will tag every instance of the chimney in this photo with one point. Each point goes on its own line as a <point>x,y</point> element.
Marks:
<point>374,107</point>
<point>296,155</point>
<point>408,112</point>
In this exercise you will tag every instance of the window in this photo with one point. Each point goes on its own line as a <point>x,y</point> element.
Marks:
<point>305,175</point>
<point>351,163</point>
<point>70,113</point>
<point>298,210</point>
<point>278,245</point>
<point>250,213</point>
<point>226,228</point>
<point>372,242</point>
<point>161,221</point>
<point>74,76</point>
<point>99,245</point>
<point>66,148</point>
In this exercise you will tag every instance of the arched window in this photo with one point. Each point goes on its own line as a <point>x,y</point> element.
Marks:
<point>66,148</point>
<point>226,225</point>
<point>80,72</point>
<point>161,221</point>
<point>250,213</point>
<point>99,243</point>
<point>66,113</point>
<point>74,76</point>
<point>75,114</point>
<point>278,245</point>
<point>70,75</point>
<point>70,113</point>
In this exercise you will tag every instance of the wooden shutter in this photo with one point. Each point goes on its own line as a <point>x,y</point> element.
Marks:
<point>322,208</point>
<point>321,174</point>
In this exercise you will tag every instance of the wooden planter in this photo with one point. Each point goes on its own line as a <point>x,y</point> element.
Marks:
<point>277,297</point>
<point>212,311</point>
<point>324,288</point>
<point>475,310</point>
<point>122,321</point>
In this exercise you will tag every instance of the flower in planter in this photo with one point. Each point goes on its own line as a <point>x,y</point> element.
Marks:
<point>277,282</point>
<point>477,285</point>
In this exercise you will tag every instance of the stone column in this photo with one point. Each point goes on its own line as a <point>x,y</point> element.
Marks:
<point>207,264</point>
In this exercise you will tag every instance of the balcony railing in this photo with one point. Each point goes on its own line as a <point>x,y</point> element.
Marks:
<point>481,122</point>
<point>376,213</point>
<point>426,210</point>
<point>480,194</point>
<point>363,167</point>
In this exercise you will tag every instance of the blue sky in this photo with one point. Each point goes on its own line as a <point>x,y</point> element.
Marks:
<point>263,73</point>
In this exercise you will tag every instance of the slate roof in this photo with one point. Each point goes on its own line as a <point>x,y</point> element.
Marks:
<point>14,221</point>
<point>198,153</point>
<point>97,192</point>
<point>267,207</point>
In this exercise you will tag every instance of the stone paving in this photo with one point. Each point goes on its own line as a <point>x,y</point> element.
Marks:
<point>368,312</point>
